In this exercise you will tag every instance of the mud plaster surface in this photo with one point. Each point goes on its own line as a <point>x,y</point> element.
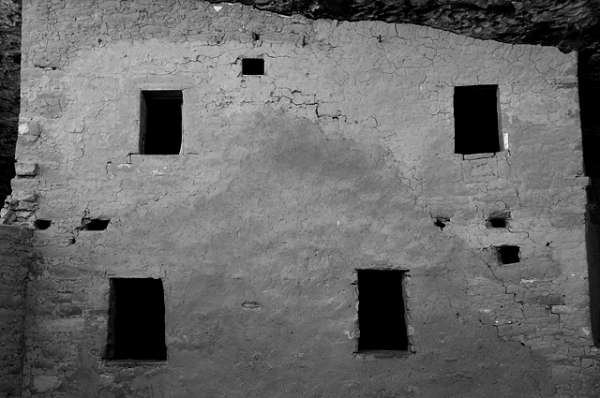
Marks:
<point>340,157</point>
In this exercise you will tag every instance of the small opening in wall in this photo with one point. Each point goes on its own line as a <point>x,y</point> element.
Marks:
<point>382,311</point>
<point>476,122</point>
<point>42,224</point>
<point>253,66</point>
<point>161,122</point>
<point>136,322</point>
<point>508,254</point>
<point>498,219</point>
<point>93,224</point>
<point>497,222</point>
<point>440,222</point>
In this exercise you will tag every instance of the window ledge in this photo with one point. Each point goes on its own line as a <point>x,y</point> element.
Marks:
<point>382,354</point>
<point>475,156</point>
<point>134,362</point>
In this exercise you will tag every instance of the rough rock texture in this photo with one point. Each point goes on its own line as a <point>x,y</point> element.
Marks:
<point>339,158</point>
<point>567,24</point>
<point>10,60</point>
<point>15,257</point>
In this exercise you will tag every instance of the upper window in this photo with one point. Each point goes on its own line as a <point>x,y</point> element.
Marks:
<point>476,122</point>
<point>160,122</point>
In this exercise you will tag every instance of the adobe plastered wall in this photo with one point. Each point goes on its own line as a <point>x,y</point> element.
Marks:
<point>15,257</point>
<point>339,158</point>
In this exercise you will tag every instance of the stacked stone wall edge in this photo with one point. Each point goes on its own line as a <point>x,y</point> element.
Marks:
<point>339,158</point>
<point>10,63</point>
<point>15,260</point>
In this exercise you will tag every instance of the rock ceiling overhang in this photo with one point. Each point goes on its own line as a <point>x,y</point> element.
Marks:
<point>566,24</point>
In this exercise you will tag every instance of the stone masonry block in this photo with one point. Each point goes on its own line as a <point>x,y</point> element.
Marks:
<point>26,169</point>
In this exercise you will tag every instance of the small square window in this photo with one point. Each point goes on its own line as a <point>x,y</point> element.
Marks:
<point>136,322</point>
<point>253,66</point>
<point>508,254</point>
<point>476,122</point>
<point>498,219</point>
<point>161,122</point>
<point>382,311</point>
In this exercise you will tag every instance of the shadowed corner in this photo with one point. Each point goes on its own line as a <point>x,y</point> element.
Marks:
<point>589,86</point>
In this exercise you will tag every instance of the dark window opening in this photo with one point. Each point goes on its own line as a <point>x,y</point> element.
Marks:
<point>498,219</point>
<point>42,224</point>
<point>508,254</point>
<point>136,320</point>
<point>93,224</point>
<point>497,222</point>
<point>253,66</point>
<point>161,122</point>
<point>381,311</point>
<point>476,123</point>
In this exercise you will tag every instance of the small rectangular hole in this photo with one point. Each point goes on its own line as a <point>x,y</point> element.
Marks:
<point>508,254</point>
<point>381,311</point>
<point>497,222</point>
<point>498,219</point>
<point>136,323</point>
<point>42,224</point>
<point>253,66</point>
<point>161,122</point>
<point>476,119</point>
<point>94,224</point>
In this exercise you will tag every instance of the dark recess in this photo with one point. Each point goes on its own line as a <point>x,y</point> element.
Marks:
<point>253,66</point>
<point>440,222</point>
<point>136,323</point>
<point>42,224</point>
<point>497,222</point>
<point>498,219</point>
<point>161,122</point>
<point>588,71</point>
<point>94,224</point>
<point>508,254</point>
<point>476,119</point>
<point>381,311</point>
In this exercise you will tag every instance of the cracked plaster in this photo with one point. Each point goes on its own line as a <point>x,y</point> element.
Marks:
<point>340,157</point>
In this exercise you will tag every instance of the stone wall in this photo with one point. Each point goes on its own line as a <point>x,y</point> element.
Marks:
<point>15,257</point>
<point>341,157</point>
<point>10,62</point>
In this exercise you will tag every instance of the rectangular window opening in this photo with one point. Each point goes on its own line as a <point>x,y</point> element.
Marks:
<point>161,122</point>
<point>136,322</point>
<point>476,121</point>
<point>508,254</point>
<point>253,66</point>
<point>93,224</point>
<point>382,311</point>
<point>498,219</point>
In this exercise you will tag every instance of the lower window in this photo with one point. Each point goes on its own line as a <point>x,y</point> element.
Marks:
<point>382,311</point>
<point>136,321</point>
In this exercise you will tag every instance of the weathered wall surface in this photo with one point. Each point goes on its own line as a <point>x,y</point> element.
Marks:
<point>340,157</point>
<point>15,257</point>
